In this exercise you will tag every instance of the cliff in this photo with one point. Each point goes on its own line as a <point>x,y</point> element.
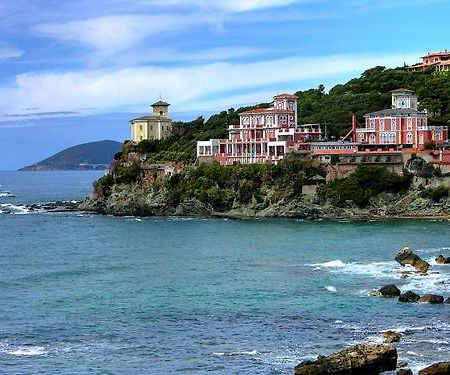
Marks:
<point>135,187</point>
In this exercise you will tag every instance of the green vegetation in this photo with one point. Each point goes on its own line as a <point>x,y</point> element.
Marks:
<point>220,186</point>
<point>437,193</point>
<point>365,183</point>
<point>371,92</point>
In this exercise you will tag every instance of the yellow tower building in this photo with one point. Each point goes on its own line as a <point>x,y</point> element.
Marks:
<point>156,126</point>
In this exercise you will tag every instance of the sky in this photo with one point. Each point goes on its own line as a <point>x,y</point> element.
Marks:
<point>78,71</point>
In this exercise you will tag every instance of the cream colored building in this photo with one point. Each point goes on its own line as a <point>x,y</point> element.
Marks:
<point>156,126</point>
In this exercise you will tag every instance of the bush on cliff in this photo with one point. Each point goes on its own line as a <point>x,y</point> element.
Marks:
<point>437,193</point>
<point>366,182</point>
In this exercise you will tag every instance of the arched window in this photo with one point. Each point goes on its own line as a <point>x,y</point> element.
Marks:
<point>409,139</point>
<point>372,139</point>
<point>421,139</point>
<point>393,124</point>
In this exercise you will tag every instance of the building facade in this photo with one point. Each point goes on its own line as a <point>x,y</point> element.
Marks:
<point>440,61</point>
<point>263,135</point>
<point>156,126</point>
<point>402,125</point>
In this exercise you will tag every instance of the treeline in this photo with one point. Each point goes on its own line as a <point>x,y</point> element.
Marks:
<point>371,92</point>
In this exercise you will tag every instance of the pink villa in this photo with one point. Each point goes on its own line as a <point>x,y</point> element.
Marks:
<point>263,135</point>
<point>403,125</point>
<point>440,61</point>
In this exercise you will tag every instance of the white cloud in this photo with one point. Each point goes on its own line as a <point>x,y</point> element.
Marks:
<point>228,5</point>
<point>113,34</point>
<point>9,53</point>
<point>185,87</point>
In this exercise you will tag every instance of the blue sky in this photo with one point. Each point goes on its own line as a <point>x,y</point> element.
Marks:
<point>76,71</point>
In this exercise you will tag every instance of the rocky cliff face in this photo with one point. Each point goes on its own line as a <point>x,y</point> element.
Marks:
<point>143,200</point>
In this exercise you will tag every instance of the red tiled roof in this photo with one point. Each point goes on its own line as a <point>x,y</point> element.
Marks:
<point>441,53</point>
<point>265,111</point>
<point>286,95</point>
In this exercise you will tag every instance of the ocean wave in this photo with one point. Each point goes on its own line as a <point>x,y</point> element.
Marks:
<point>12,209</point>
<point>235,354</point>
<point>331,289</point>
<point>23,351</point>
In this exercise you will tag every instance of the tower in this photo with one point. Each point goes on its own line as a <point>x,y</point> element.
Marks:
<point>404,99</point>
<point>161,109</point>
<point>286,102</point>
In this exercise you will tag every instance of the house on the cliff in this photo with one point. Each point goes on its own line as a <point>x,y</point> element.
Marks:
<point>152,127</point>
<point>263,135</point>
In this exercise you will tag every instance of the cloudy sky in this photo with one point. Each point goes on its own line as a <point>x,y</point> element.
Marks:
<point>75,71</point>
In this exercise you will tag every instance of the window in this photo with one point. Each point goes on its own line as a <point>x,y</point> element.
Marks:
<point>409,139</point>
<point>409,123</point>
<point>381,124</point>
<point>372,123</point>
<point>372,139</point>
<point>392,138</point>
<point>393,124</point>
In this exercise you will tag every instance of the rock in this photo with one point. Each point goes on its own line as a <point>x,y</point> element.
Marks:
<point>439,368</point>
<point>405,274</point>
<point>404,371</point>
<point>359,359</point>
<point>442,260</point>
<point>401,364</point>
<point>391,336</point>
<point>375,293</point>
<point>407,256</point>
<point>431,298</point>
<point>390,291</point>
<point>447,300</point>
<point>409,297</point>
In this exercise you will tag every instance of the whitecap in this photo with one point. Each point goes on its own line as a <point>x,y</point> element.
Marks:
<point>331,289</point>
<point>27,351</point>
<point>8,208</point>
<point>235,354</point>
<point>331,264</point>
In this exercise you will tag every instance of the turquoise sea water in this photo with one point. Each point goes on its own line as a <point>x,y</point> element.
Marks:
<point>90,294</point>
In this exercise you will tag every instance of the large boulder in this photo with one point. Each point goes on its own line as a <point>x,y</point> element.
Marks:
<point>390,291</point>
<point>440,368</point>
<point>442,259</point>
<point>359,359</point>
<point>391,336</point>
<point>407,256</point>
<point>409,297</point>
<point>431,298</point>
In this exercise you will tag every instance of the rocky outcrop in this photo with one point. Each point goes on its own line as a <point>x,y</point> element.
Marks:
<point>442,259</point>
<point>441,368</point>
<point>407,256</point>
<point>391,336</point>
<point>390,291</point>
<point>359,359</point>
<point>409,297</point>
<point>431,298</point>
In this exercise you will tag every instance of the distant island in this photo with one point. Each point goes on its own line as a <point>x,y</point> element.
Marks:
<point>84,157</point>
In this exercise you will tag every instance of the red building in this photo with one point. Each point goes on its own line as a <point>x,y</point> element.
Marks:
<point>402,125</point>
<point>263,135</point>
<point>439,60</point>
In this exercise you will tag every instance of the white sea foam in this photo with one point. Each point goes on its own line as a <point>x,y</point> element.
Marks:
<point>23,351</point>
<point>331,289</point>
<point>8,208</point>
<point>234,354</point>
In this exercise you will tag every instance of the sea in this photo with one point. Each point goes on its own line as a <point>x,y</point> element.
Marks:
<point>89,294</point>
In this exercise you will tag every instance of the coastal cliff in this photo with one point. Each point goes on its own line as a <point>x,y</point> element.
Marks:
<point>288,190</point>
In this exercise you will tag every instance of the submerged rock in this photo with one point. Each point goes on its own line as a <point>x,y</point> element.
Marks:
<point>409,297</point>
<point>440,368</point>
<point>359,359</point>
<point>375,293</point>
<point>391,336</point>
<point>447,300</point>
<point>390,291</point>
<point>407,256</point>
<point>442,259</point>
<point>431,298</point>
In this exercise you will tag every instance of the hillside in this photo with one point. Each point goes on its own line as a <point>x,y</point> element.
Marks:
<point>87,156</point>
<point>368,93</point>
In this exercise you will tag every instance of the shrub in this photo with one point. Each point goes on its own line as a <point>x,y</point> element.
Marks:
<point>127,174</point>
<point>436,194</point>
<point>103,185</point>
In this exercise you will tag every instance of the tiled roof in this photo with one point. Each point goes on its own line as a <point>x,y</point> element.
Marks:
<point>160,103</point>
<point>396,112</point>
<point>266,111</point>
<point>151,118</point>
<point>286,95</point>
